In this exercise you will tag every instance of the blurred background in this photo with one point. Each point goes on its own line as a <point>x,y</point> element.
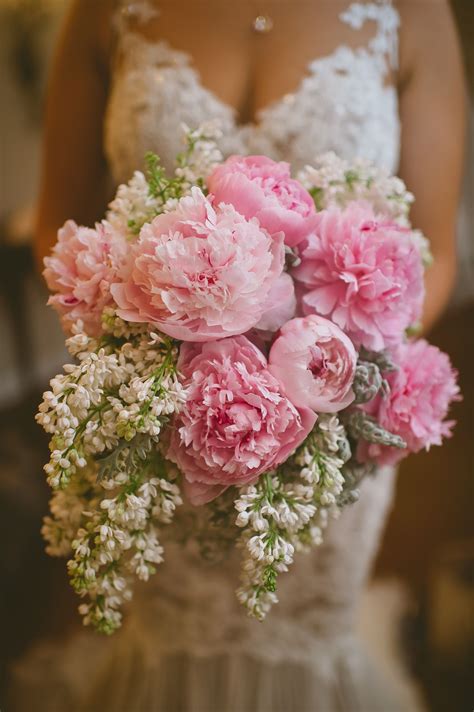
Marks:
<point>429,542</point>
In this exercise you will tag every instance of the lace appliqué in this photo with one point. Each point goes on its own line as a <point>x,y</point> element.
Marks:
<point>385,42</point>
<point>343,104</point>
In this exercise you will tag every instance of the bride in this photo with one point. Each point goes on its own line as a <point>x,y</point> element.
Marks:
<point>291,79</point>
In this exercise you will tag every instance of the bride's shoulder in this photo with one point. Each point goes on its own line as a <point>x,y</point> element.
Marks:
<point>425,27</point>
<point>423,21</point>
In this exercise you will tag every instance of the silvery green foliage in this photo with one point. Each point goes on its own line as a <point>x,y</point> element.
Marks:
<point>354,473</point>
<point>369,378</point>
<point>368,381</point>
<point>361,425</point>
<point>382,359</point>
<point>128,456</point>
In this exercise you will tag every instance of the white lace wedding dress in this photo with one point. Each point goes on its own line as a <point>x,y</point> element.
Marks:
<point>186,644</point>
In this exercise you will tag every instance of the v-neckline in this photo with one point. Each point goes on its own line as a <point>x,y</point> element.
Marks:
<point>184,59</point>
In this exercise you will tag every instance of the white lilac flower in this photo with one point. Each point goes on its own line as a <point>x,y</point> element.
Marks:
<point>133,206</point>
<point>287,511</point>
<point>112,488</point>
<point>114,394</point>
<point>200,156</point>
<point>115,537</point>
<point>146,196</point>
<point>334,180</point>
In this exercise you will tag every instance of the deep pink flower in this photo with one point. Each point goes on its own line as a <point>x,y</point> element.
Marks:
<point>236,423</point>
<point>363,273</point>
<point>83,264</point>
<point>199,272</point>
<point>315,363</point>
<point>258,187</point>
<point>421,391</point>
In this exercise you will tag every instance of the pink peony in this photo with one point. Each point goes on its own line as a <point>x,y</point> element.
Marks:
<point>83,264</point>
<point>315,363</point>
<point>200,273</point>
<point>421,391</point>
<point>236,422</point>
<point>362,273</point>
<point>258,187</point>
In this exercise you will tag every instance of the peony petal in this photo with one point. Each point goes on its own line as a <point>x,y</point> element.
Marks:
<point>198,493</point>
<point>280,305</point>
<point>323,299</point>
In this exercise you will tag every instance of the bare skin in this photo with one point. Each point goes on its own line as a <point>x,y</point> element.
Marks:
<point>251,72</point>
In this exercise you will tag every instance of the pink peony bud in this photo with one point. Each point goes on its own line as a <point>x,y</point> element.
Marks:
<point>315,363</point>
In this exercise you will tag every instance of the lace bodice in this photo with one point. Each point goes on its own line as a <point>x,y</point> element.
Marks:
<point>343,102</point>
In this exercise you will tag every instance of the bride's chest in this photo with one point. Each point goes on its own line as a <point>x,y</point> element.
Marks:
<point>246,59</point>
<point>276,98</point>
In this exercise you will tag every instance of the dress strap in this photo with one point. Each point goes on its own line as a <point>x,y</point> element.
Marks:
<point>136,13</point>
<point>384,44</point>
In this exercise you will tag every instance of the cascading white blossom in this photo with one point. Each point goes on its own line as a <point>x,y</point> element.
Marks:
<point>105,415</point>
<point>287,511</point>
<point>118,540</point>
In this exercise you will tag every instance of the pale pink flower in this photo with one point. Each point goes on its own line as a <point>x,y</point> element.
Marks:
<point>259,187</point>
<point>280,305</point>
<point>236,423</point>
<point>83,264</point>
<point>315,363</point>
<point>421,391</point>
<point>200,273</point>
<point>363,273</point>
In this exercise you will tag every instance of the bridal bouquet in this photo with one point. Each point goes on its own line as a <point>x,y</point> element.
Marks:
<point>243,343</point>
